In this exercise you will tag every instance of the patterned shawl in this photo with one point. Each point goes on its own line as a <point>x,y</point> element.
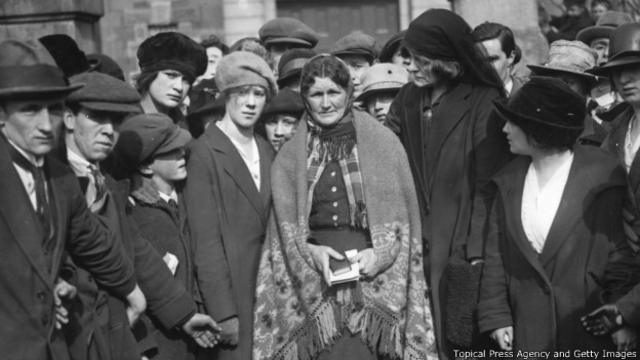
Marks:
<point>294,318</point>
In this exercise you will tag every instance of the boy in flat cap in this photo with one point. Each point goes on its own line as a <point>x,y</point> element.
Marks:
<point>169,64</point>
<point>281,34</point>
<point>155,147</point>
<point>358,51</point>
<point>92,121</point>
<point>281,117</point>
<point>43,212</point>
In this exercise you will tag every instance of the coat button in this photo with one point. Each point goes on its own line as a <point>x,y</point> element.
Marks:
<point>334,189</point>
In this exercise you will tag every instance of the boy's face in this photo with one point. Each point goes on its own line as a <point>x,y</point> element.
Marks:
<point>94,133</point>
<point>171,166</point>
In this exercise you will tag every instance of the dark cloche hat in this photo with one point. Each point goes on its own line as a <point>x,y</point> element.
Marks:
<point>105,93</point>
<point>106,65</point>
<point>286,102</point>
<point>545,100</point>
<point>28,70</point>
<point>605,25</point>
<point>356,43</point>
<point>287,30</point>
<point>391,46</point>
<point>65,51</point>
<point>172,50</point>
<point>624,48</point>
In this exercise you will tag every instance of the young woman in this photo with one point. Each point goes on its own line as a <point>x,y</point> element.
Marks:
<point>341,183</point>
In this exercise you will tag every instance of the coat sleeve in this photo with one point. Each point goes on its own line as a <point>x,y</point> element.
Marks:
<point>203,201</point>
<point>94,248</point>
<point>490,154</point>
<point>394,115</point>
<point>493,307</point>
<point>167,300</point>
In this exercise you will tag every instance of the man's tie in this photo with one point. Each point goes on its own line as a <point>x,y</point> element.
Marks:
<point>96,193</point>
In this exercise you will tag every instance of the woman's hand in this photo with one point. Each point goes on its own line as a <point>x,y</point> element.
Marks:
<point>503,337</point>
<point>320,255</point>
<point>366,260</point>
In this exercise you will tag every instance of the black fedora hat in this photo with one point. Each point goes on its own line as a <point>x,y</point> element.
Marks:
<point>624,48</point>
<point>28,70</point>
<point>547,101</point>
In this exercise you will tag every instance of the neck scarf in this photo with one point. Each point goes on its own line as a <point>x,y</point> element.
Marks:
<point>294,317</point>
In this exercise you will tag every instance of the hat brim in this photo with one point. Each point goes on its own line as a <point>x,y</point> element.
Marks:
<point>288,75</point>
<point>504,112</point>
<point>548,71</point>
<point>369,56</point>
<point>179,140</point>
<point>112,107</point>
<point>38,91</point>
<point>288,40</point>
<point>375,90</point>
<point>587,35</point>
<point>618,61</point>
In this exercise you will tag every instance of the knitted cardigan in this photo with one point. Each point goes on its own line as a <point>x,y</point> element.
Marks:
<point>294,317</point>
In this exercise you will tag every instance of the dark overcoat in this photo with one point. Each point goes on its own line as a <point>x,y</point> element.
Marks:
<point>227,218</point>
<point>585,259</point>
<point>26,282</point>
<point>452,175</point>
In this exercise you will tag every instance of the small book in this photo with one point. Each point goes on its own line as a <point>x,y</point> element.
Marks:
<point>345,273</point>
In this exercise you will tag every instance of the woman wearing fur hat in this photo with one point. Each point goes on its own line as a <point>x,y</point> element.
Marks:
<point>228,195</point>
<point>169,64</point>
<point>341,185</point>
<point>555,246</point>
<point>454,146</point>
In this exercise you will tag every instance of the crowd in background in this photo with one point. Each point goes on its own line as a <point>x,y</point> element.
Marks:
<point>265,201</point>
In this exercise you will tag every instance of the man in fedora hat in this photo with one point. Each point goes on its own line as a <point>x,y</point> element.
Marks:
<point>569,61</point>
<point>42,210</point>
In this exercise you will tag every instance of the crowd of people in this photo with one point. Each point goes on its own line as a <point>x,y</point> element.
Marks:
<point>418,200</point>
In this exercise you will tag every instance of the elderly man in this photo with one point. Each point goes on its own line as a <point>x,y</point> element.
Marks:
<point>42,211</point>
<point>91,120</point>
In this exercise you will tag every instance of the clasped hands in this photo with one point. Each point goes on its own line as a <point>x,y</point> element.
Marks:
<point>366,260</point>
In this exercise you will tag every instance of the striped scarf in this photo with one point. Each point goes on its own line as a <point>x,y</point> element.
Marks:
<point>337,144</point>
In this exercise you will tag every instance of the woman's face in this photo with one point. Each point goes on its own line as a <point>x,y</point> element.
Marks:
<point>245,105</point>
<point>169,89</point>
<point>327,101</point>
<point>518,141</point>
<point>420,70</point>
<point>280,129</point>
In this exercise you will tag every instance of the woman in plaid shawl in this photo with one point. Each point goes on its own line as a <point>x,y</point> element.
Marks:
<point>342,182</point>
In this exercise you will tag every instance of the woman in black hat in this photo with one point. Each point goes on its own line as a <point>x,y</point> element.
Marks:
<point>454,147</point>
<point>169,64</point>
<point>555,245</point>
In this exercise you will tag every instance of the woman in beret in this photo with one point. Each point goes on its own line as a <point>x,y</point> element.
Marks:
<point>228,196</point>
<point>341,183</point>
<point>454,146</point>
<point>169,64</point>
<point>556,247</point>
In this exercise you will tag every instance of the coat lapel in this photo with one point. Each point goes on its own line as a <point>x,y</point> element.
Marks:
<point>60,215</point>
<point>233,164</point>
<point>266,159</point>
<point>19,215</point>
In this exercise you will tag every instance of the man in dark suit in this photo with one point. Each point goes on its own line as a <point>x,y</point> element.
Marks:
<point>42,211</point>
<point>91,121</point>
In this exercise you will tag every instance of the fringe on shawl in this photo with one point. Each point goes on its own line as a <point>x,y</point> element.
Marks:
<point>378,329</point>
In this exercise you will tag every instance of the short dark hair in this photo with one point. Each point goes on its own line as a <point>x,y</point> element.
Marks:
<point>144,79</point>
<point>546,137</point>
<point>214,41</point>
<point>325,66</point>
<point>489,31</point>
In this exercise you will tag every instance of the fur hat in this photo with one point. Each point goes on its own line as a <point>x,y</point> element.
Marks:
<point>244,68</point>
<point>570,57</point>
<point>175,51</point>
<point>104,93</point>
<point>27,70</point>
<point>288,30</point>
<point>356,43</point>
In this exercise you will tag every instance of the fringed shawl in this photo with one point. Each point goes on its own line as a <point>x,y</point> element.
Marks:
<point>294,318</point>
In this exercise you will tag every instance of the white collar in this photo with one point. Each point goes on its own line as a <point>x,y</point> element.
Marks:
<point>173,196</point>
<point>78,163</point>
<point>508,86</point>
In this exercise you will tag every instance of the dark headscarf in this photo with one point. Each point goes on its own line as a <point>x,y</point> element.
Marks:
<point>443,35</point>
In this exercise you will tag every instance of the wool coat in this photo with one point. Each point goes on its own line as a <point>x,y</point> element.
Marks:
<point>227,219</point>
<point>26,283</point>
<point>585,259</point>
<point>452,175</point>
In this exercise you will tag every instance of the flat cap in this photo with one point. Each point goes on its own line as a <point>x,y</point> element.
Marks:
<point>356,43</point>
<point>241,68</point>
<point>104,93</point>
<point>288,30</point>
<point>172,50</point>
<point>145,136</point>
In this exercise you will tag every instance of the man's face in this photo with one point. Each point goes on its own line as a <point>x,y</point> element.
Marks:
<point>280,129</point>
<point>93,133</point>
<point>499,60</point>
<point>626,80</point>
<point>213,55</point>
<point>601,46</point>
<point>32,125</point>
